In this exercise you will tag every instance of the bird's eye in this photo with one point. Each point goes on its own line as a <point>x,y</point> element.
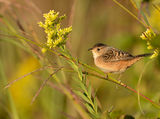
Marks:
<point>98,49</point>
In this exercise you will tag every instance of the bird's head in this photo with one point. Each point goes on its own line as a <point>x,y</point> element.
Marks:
<point>98,49</point>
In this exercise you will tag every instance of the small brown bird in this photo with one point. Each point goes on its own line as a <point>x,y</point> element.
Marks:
<point>112,60</point>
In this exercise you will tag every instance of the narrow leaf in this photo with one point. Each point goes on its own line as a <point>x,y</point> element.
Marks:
<point>82,96</point>
<point>90,109</point>
<point>83,87</point>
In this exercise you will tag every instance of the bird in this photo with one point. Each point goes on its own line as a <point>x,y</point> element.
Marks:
<point>113,60</point>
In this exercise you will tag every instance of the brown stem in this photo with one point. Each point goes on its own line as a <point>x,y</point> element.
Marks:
<point>40,69</point>
<point>44,83</point>
<point>125,86</point>
<point>114,81</point>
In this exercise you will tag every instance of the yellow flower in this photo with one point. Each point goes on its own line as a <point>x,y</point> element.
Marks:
<point>149,47</point>
<point>150,37</point>
<point>143,37</point>
<point>148,34</point>
<point>155,54</point>
<point>56,36</point>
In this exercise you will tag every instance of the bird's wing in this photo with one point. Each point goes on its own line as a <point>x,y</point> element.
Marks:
<point>114,54</point>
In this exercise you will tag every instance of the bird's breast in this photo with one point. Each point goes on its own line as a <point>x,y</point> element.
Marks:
<point>114,66</point>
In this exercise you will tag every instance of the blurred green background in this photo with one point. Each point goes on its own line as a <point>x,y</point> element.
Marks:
<point>93,21</point>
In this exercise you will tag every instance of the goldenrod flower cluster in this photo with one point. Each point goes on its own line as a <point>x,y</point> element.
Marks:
<point>150,36</point>
<point>56,36</point>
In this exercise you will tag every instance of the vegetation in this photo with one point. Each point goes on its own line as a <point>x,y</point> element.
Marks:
<point>46,71</point>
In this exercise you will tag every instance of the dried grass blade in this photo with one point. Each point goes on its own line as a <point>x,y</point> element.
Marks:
<point>9,84</point>
<point>43,84</point>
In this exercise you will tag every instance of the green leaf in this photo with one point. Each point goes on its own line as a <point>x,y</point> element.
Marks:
<point>82,96</point>
<point>82,86</point>
<point>89,108</point>
<point>74,66</point>
<point>77,69</point>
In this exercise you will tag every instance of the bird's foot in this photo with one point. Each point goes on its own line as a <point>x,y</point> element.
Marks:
<point>119,81</point>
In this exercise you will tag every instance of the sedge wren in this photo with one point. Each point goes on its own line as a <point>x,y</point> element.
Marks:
<point>112,60</point>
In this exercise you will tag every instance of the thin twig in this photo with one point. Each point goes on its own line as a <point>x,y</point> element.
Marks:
<point>130,12</point>
<point>67,115</point>
<point>125,86</point>
<point>43,84</point>
<point>139,11</point>
<point>61,89</point>
<point>40,69</point>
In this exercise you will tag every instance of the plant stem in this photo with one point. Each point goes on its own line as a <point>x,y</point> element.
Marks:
<point>124,8</point>
<point>123,85</point>
<point>91,68</point>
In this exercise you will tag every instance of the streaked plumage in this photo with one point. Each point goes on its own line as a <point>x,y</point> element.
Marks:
<point>112,60</point>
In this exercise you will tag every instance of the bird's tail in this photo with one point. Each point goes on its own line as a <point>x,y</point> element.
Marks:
<point>137,58</point>
<point>144,55</point>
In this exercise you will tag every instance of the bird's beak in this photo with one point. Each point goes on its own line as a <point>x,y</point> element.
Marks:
<point>90,49</point>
